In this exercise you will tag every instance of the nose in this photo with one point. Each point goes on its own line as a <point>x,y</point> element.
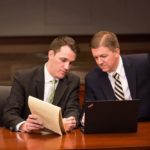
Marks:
<point>99,61</point>
<point>67,65</point>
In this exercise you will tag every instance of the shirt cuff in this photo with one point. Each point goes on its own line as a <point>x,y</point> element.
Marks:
<point>19,125</point>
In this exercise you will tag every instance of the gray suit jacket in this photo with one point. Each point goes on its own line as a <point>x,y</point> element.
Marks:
<point>31,82</point>
<point>137,69</point>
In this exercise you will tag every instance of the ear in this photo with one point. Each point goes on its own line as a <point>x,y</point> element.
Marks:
<point>50,53</point>
<point>117,50</point>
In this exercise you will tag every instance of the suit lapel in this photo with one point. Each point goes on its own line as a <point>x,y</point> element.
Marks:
<point>131,76</point>
<point>60,90</point>
<point>39,87</point>
<point>106,87</point>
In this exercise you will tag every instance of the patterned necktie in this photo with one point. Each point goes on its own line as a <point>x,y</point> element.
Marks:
<point>52,92</point>
<point>118,90</point>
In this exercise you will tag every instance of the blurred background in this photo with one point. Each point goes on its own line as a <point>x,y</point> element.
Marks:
<point>27,28</point>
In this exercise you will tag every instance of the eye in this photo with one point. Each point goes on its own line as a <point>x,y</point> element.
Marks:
<point>72,63</point>
<point>103,56</point>
<point>63,59</point>
<point>95,57</point>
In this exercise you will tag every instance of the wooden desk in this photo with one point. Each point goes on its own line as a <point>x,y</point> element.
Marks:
<point>76,140</point>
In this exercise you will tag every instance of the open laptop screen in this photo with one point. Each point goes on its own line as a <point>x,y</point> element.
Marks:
<point>110,116</point>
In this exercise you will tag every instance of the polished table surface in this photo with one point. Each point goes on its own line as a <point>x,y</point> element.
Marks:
<point>139,140</point>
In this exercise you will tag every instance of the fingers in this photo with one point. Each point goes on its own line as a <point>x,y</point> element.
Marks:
<point>34,119</point>
<point>69,123</point>
<point>33,123</point>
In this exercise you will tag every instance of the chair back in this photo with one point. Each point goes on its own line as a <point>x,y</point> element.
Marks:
<point>4,93</point>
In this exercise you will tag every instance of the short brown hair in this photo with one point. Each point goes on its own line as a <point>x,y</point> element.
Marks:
<point>60,41</point>
<point>106,39</point>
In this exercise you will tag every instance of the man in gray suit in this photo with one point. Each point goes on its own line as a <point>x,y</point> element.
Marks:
<point>37,82</point>
<point>134,72</point>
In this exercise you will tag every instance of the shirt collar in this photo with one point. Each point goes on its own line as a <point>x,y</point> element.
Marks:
<point>48,76</point>
<point>119,69</point>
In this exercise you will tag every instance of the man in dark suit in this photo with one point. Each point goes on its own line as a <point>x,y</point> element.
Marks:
<point>37,82</point>
<point>134,72</point>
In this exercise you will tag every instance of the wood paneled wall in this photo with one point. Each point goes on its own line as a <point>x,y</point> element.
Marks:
<point>25,52</point>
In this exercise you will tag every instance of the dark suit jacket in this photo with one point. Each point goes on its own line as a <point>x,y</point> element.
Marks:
<point>31,82</point>
<point>137,69</point>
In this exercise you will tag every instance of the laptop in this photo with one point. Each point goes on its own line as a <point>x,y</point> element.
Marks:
<point>110,116</point>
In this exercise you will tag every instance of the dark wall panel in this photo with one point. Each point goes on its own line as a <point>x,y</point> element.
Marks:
<point>74,17</point>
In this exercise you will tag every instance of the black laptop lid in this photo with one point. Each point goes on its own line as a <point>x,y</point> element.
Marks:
<point>111,116</point>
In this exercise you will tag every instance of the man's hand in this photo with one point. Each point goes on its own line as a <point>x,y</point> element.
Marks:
<point>69,123</point>
<point>32,124</point>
